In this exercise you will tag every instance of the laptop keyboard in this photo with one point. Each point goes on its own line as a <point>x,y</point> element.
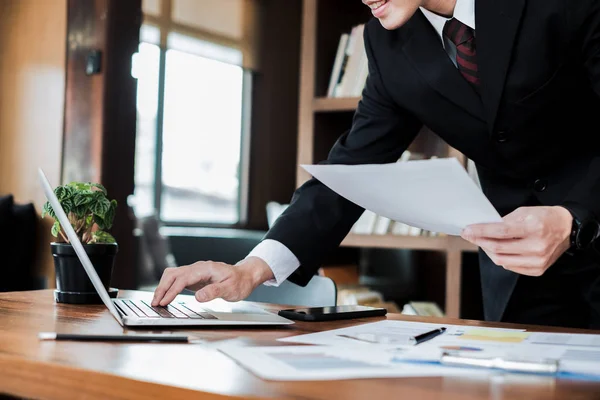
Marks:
<point>182,310</point>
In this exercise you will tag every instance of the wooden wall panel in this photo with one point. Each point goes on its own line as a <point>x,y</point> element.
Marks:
<point>100,111</point>
<point>32,78</point>
<point>275,109</point>
<point>86,31</point>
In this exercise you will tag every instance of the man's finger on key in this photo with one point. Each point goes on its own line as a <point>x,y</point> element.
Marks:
<point>167,279</point>
<point>176,288</point>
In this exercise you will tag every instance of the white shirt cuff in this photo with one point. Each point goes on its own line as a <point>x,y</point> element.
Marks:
<point>278,257</point>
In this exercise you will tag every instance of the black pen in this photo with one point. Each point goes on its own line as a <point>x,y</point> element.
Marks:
<point>426,336</point>
<point>114,338</point>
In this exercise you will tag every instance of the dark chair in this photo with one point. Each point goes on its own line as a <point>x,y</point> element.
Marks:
<point>18,233</point>
<point>155,246</point>
<point>158,251</point>
<point>320,292</point>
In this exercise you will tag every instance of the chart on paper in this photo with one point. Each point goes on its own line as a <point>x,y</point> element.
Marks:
<point>302,363</point>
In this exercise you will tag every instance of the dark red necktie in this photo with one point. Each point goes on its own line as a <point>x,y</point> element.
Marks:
<point>466,55</point>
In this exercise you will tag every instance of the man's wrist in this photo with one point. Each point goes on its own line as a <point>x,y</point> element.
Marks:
<point>258,270</point>
<point>566,223</point>
<point>584,229</point>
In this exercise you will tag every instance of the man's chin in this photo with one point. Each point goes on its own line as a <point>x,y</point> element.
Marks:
<point>390,24</point>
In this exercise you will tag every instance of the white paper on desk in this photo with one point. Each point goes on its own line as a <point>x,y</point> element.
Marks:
<point>312,363</point>
<point>578,354</point>
<point>396,334</point>
<point>436,195</point>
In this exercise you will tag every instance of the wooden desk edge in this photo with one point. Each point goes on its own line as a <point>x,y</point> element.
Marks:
<point>29,378</point>
<point>24,376</point>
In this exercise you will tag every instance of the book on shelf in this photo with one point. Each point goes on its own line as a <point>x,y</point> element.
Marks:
<point>400,228</point>
<point>422,308</point>
<point>414,231</point>
<point>338,65</point>
<point>365,223</point>
<point>382,225</point>
<point>350,67</point>
<point>364,296</point>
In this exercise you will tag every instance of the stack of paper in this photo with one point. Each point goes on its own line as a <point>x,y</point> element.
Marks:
<point>382,349</point>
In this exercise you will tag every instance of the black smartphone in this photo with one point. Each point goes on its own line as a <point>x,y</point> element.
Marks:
<point>332,313</point>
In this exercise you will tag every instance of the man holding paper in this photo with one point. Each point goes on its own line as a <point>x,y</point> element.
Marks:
<point>514,85</point>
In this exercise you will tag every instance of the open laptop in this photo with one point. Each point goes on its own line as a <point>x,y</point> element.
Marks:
<point>133,312</point>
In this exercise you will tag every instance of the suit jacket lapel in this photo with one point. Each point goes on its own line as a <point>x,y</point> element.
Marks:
<point>423,48</point>
<point>496,25</point>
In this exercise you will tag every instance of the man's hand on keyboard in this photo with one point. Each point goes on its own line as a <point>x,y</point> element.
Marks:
<point>212,280</point>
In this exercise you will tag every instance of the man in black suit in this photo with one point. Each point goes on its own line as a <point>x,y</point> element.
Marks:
<point>514,85</point>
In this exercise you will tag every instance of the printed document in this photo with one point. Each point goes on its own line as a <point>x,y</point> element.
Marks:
<point>390,334</point>
<point>578,354</point>
<point>436,195</point>
<point>381,349</point>
<point>316,363</point>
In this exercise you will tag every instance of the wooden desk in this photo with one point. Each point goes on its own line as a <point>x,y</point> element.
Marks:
<point>76,370</point>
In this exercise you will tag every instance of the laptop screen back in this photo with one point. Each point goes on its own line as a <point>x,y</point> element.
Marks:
<point>77,246</point>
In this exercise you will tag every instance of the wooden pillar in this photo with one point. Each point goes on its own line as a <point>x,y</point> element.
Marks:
<point>307,90</point>
<point>453,278</point>
<point>274,114</point>
<point>100,110</point>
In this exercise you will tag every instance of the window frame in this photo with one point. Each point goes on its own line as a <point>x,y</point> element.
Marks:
<point>165,25</point>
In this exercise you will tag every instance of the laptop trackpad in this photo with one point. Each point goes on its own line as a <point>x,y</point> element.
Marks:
<point>222,306</point>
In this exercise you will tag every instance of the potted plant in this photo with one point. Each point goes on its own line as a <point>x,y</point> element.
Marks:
<point>91,215</point>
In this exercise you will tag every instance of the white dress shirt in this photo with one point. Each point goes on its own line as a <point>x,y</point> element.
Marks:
<point>278,257</point>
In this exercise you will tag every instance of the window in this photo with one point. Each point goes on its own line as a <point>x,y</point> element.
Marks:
<point>201,139</point>
<point>190,145</point>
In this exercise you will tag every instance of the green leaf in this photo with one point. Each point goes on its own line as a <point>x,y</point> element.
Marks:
<point>80,211</point>
<point>55,229</point>
<point>100,222</point>
<point>110,215</point>
<point>86,204</point>
<point>102,237</point>
<point>80,186</point>
<point>45,209</point>
<point>49,210</point>
<point>67,193</point>
<point>99,187</point>
<point>67,205</point>
<point>82,198</point>
<point>89,220</point>
<point>101,207</point>
<point>61,192</point>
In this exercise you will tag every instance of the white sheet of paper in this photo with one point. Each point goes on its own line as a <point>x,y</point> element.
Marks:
<point>317,363</point>
<point>436,195</point>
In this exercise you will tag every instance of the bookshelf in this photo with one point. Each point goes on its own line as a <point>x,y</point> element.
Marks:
<point>322,119</point>
<point>327,104</point>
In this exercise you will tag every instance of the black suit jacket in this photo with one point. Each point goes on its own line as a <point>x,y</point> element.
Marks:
<point>536,120</point>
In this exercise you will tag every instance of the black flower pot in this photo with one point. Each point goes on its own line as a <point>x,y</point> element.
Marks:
<point>72,283</point>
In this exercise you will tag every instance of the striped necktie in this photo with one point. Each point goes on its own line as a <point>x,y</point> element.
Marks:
<point>466,55</point>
